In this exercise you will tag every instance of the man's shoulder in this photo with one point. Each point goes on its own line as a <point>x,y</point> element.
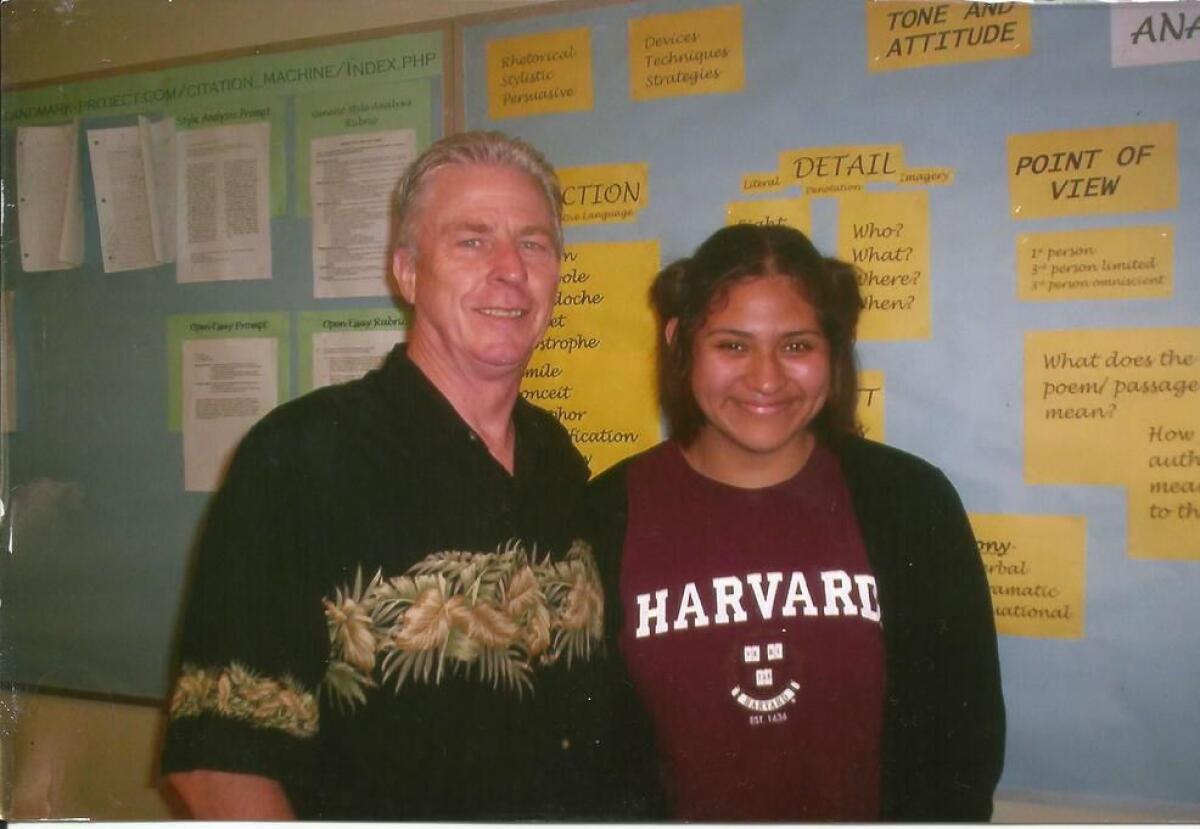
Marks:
<point>321,421</point>
<point>539,419</point>
<point>319,410</point>
<point>550,438</point>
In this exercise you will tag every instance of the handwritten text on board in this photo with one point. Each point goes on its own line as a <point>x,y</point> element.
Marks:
<point>753,183</point>
<point>871,402</point>
<point>1148,33</point>
<point>906,35</point>
<point>927,176</point>
<point>886,235</point>
<point>1120,407</point>
<point>690,53</point>
<point>603,193</point>
<point>602,329</point>
<point>850,166</point>
<point>1107,263</point>
<point>1035,571</point>
<point>768,212</point>
<point>539,74</point>
<point>1123,169</point>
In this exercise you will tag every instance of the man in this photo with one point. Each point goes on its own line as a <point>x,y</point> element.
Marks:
<point>392,616</point>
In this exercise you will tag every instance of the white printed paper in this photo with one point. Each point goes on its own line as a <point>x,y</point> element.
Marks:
<point>133,175</point>
<point>123,206</point>
<point>49,200</point>
<point>1148,33</point>
<point>158,156</point>
<point>351,182</point>
<point>222,176</point>
<point>228,384</point>
<point>341,356</point>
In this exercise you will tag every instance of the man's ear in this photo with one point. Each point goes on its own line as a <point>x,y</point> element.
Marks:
<point>669,330</point>
<point>404,273</point>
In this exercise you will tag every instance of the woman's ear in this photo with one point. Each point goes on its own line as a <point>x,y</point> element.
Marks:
<point>669,330</point>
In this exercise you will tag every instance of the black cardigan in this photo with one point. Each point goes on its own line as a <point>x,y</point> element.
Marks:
<point>943,738</point>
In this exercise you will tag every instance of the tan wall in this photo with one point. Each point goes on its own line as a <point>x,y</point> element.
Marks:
<point>75,758</point>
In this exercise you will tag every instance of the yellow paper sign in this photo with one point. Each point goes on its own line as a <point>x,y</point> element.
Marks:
<point>1120,407</point>
<point>1109,263</point>
<point>1127,169</point>
<point>753,183</point>
<point>602,329</point>
<point>871,404</point>
<point>689,53</point>
<point>904,35</point>
<point>816,167</point>
<point>538,74</point>
<point>1164,493</point>
<point>927,176</point>
<point>1035,569</point>
<point>886,235</point>
<point>790,212</point>
<point>603,193</point>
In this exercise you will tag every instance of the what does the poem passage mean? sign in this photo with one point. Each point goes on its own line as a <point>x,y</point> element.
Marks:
<point>1119,407</point>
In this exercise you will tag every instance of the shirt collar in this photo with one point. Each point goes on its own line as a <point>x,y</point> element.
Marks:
<point>437,421</point>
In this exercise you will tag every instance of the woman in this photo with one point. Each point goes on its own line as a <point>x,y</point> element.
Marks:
<point>803,612</point>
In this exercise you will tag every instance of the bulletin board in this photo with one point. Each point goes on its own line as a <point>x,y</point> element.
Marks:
<point>276,245</point>
<point>1019,186</point>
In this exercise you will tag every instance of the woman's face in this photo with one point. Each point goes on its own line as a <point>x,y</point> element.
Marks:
<point>760,375</point>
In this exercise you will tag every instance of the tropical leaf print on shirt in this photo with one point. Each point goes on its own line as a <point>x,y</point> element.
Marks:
<point>238,693</point>
<point>495,617</point>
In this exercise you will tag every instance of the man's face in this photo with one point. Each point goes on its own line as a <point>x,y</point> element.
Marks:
<point>482,270</point>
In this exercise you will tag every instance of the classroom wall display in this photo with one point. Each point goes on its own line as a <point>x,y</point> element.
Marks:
<point>187,248</point>
<point>1018,184</point>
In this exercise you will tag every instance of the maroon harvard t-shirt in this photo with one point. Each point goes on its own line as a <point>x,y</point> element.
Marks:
<point>752,631</point>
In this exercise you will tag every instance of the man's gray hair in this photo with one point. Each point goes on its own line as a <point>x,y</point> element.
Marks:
<point>477,147</point>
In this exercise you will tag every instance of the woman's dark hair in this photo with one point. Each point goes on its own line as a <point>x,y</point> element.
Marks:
<point>688,289</point>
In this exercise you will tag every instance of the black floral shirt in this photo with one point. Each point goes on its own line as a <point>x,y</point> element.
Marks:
<point>387,622</point>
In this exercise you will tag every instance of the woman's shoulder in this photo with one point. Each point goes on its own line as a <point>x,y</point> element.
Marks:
<point>608,492</point>
<point>856,450</point>
<point>860,456</point>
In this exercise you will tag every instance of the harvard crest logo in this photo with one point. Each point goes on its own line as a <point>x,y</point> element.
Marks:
<point>765,686</point>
